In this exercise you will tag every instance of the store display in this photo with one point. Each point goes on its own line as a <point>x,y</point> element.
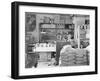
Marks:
<point>44,47</point>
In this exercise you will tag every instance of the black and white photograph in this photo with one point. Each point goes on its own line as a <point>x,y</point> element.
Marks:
<point>51,40</point>
<point>56,40</point>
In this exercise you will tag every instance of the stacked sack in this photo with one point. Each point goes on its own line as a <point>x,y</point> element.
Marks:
<point>67,56</point>
<point>82,57</point>
<point>72,57</point>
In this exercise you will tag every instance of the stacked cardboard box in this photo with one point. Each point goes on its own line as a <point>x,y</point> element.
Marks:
<point>74,57</point>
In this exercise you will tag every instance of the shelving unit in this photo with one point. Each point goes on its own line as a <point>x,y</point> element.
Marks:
<point>55,32</point>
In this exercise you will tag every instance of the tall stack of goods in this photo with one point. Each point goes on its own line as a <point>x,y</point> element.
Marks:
<point>82,57</point>
<point>68,59</point>
<point>74,57</point>
<point>67,56</point>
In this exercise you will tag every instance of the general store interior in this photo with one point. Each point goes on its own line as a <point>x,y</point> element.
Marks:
<point>46,34</point>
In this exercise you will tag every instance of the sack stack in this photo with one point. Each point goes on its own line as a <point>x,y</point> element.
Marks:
<point>68,59</point>
<point>74,58</point>
<point>82,57</point>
